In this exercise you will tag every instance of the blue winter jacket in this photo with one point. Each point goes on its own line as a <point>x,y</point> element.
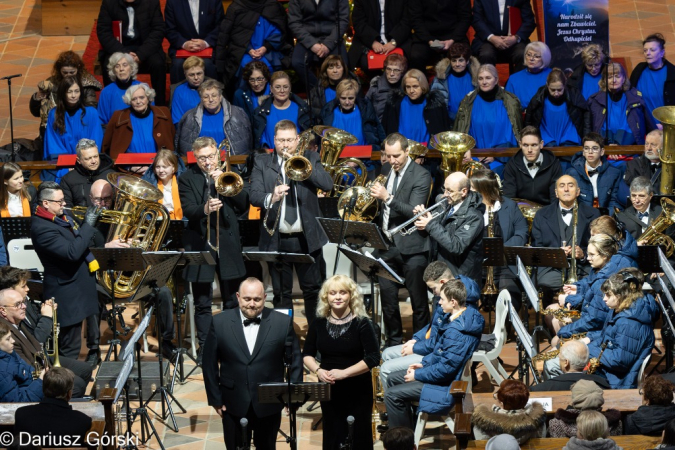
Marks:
<point>629,336</point>
<point>594,311</point>
<point>640,119</point>
<point>424,346</point>
<point>16,380</point>
<point>457,342</point>
<point>609,178</point>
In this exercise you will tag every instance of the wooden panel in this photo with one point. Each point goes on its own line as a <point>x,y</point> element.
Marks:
<point>69,17</point>
<point>625,442</point>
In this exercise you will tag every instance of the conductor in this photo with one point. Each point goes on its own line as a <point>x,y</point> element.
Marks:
<point>246,346</point>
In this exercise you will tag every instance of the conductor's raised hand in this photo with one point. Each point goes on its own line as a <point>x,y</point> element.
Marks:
<point>279,192</point>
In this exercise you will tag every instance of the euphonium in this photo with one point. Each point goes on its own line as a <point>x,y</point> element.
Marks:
<point>528,209</point>
<point>572,271</point>
<point>490,289</point>
<point>416,150</point>
<point>366,206</point>
<point>143,223</point>
<point>333,141</point>
<point>666,115</point>
<point>653,235</point>
<point>39,363</point>
<point>56,328</point>
<point>452,146</point>
<point>595,363</point>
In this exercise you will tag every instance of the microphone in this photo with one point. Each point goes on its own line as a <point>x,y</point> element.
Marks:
<point>350,435</point>
<point>352,201</point>
<point>244,435</point>
<point>288,352</point>
<point>9,77</point>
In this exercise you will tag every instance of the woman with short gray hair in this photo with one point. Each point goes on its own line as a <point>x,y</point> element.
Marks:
<point>524,84</point>
<point>122,70</point>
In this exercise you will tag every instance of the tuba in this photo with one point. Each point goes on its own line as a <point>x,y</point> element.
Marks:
<point>452,146</point>
<point>366,206</point>
<point>140,220</point>
<point>333,141</point>
<point>653,235</point>
<point>666,115</point>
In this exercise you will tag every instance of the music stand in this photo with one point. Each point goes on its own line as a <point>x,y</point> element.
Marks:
<point>666,267</point>
<point>293,395</point>
<point>667,333</point>
<point>15,228</point>
<point>356,234</point>
<point>116,261</point>
<point>525,345</point>
<point>329,207</point>
<point>173,240</point>
<point>648,259</point>
<point>493,256</point>
<point>187,259</point>
<point>162,265</point>
<point>122,382</point>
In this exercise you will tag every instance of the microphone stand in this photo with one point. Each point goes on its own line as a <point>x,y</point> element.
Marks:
<point>288,359</point>
<point>11,116</point>
<point>244,435</point>
<point>607,64</point>
<point>349,445</point>
<point>348,211</point>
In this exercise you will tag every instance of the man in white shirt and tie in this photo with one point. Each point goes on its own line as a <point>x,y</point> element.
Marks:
<point>246,346</point>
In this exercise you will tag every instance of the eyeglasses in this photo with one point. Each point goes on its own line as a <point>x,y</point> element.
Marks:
<point>592,149</point>
<point>281,88</point>
<point>286,141</point>
<point>256,80</point>
<point>101,199</point>
<point>532,56</point>
<point>17,305</point>
<point>210,157</point>
<point>60,202</point>
<point>393,71</point>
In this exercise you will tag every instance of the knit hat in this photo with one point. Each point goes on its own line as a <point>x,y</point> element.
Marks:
<point>502,442</point>
<point>587,395</point>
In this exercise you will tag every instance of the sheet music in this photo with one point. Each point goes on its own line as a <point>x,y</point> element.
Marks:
<point>124,375</point>
<point>521,332</point>
<point>384,264</point>
<point>667,268</point>
<point>526,281</point>
<point>666,291</point>
<point>131,343</point>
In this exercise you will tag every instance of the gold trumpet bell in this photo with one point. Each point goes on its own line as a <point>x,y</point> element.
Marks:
<point>452,145</point>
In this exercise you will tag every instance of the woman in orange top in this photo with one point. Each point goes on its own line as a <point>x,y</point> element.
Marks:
<point>16,198</point>
<point>164,174</point>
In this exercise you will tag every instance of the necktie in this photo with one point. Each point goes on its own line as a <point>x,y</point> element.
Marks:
<point>291,205</point>
<point>565,212</point>
<point>248,322</point>
<point>393,189</point>
<point>592,172</point>
<point>643,215</point>
<point>532,165</point>
<point>451,212</point>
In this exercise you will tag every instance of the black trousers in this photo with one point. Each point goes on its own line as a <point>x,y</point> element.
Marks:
<point>412,268</point>
<point>263,429</point>
<point>155,65</point>
<point>82,371</point>
<point>310,276</point>
<point>489,54</point>
<point>422,55</point>
<point>70,340</point>
<point>202,294</point>
<point>305,62</point>
<point>398,396</point>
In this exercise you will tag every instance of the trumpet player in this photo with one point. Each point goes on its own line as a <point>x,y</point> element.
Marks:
<point>202,206</point>
<point>290,209</point>
<point>407,185</point>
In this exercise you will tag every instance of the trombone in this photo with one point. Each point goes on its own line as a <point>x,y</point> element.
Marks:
<point>228,184</point>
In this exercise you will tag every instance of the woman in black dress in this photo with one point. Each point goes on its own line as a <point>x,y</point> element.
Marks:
<point>345,337</point>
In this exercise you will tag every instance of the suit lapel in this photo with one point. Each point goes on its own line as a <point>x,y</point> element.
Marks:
<point>238,331</point>
<point>265,327</point>
<point>552,221</point>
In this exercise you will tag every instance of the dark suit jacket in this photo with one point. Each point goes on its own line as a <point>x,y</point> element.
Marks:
<point>486,21</point>
<point>412,190</point>
<point>641,167</point>
<point>180,28</point>
<point>24,346</point>
<point>66,275</point>
<point>193,192</point>
<point>633,224</point>
<point>232,373</point>
<point>264,179</point>
<point>565,381</point>
<point>53,416</point>
<point>546,232</point>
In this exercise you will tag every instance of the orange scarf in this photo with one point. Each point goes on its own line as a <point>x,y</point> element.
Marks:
<point>177,213</point>
<point>4,212</point>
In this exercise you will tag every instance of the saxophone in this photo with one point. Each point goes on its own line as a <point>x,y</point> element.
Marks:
<point>545,356</point>
<point>563,313</point>
<point>378,392</point>
<point>490,289</point>
<point>572,271</point>
<point>594,364</point>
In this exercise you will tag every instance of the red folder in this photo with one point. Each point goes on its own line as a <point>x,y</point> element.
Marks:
<point>206,53</point>
<point>515,20</point>
<point>376,60</point>
<point>66,161</point>
<point>357,151</point>
<point>135,159</point>
<point>117,30</point>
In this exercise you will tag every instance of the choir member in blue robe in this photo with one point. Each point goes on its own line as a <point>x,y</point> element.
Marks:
<point>122,70</point>
<point>265,36</point>
<point>586,77</point>
<point>454,76</point>
<point>524,84</point>
<point>655,77</point>
<point>256,75</point>
<point>69,122</point>
<point>186,95</point>
<point>333,70</point>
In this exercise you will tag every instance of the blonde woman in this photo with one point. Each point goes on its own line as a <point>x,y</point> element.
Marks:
<point>345,337</point>
<point>592,433</point>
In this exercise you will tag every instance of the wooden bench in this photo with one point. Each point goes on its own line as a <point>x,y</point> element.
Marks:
<point>101,413</point>
<point>625,442</point>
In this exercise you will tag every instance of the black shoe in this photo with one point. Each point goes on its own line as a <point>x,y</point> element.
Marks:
<point>383,427</point>
<point>168,351</point>
<point>94,357</point>
<point>200,353</point>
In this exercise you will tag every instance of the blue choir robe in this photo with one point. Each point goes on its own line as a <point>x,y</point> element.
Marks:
<point>525,84</point>
<point>142,140</point>
<point>619,130</point>
<point>110,101</point>
<point>490,124</point>
<point>275,115</point>
<point>329,94</point>
<point>591,85</point>
<point>458,88</point>
<point>212,125</point>
<point>350,122</point>
<point>651,85</point>
<point>264,31</point>
<point>557,129</point>
<point>411,122</point>
<point>184,98</point>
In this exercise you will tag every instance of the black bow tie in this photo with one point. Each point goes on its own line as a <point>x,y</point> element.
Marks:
<point>592,172</point>
<point>565,212</point>
<point>532,165</point>
<point>644,214</point>
<point>248,322</point>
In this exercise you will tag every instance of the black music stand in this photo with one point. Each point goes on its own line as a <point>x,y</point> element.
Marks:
<point>356,234</point>
<point>667,332</point>
<point>526,350</point>
<point>162,265</point>
<point>116,261</point>
<point>329,207</point>
<point>173,240</point>
<point>187,259</point>
<point>648,258</point>
<point>249,234</point>
<point>493,256</point>
<point>15,228</point>
<point>122,382</point>
<point>293,395</point>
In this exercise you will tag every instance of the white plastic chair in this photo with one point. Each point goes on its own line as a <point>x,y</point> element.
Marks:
<point>489,359</point>
<point>22,255</point>
<point>641,373</point>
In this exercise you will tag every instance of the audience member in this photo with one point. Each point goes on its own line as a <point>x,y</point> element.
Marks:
<point>192,26</point>
<point>511,416</point>
<point>256,78</point>
<point>399,438</point>
<point>648,164</point>
<point>333,70</point>
<point>17,384</point>
<point>573,358</point>
<point>185,95</point>
<point>140,128</point>
<point>493,41</point>
<point>122,70</point>
<point>17,198</point>
<point>560,112</point>
<point>214,117</point>
<point>502,442</point>
<point>532,172</point>
<point>586,396</point>
<point>654,78</point>
<point>455,76</point>
<point>525,83</point>
<point>668,437</point>
<point>382,86</point>
<point>90,166</point>
<point>586,76</point>
<point>592,434</point>
<point>657,408</point>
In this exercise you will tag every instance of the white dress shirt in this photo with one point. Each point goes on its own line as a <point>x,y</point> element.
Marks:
<point>645,219</point>
<point>167,201</point>
<point>15,205</point>
<point>194,11</point>
<point>533,170</point>
<point>250,332</point>
<point>594,179</point>
<point>382,36</point>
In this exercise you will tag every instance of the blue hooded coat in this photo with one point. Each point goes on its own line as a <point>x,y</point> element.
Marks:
<point>609,178</point>
<point>16,380</point>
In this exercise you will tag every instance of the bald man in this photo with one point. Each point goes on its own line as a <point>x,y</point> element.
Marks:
<point>553,227</point>
<point>568,368</point>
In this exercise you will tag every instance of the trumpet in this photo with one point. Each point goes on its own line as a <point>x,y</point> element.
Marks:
<point>405,229</point>
<point>107,215</point>
<point>56,329</point>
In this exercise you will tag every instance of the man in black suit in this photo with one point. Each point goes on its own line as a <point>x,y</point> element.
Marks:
<point>553,227</point>
<point>69,266</point>
<point>247,346</point>
<point>649,163</point>
<point>294,226</point>
<point>572,358</point>
<point>406,187</point>
<point>53,418</point>
<point>193,30</point>
<point>200,201</point>
<point>637,217</point>
<point>494,42</point>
